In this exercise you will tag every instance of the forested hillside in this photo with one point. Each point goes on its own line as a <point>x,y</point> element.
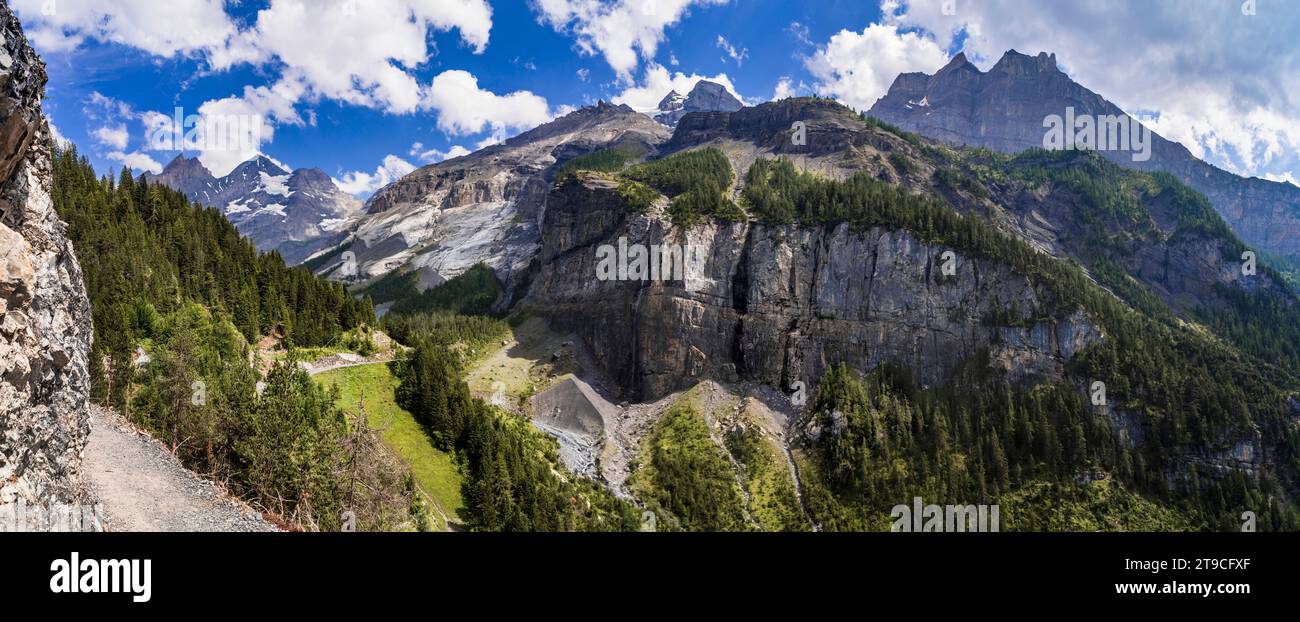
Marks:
<point>147,253</point>
<point>979,436</point>
<point>1199,420</point>
<point>178,284</point>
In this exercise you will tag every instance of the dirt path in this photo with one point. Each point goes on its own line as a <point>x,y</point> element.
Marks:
<point>342,361</point>
<point>143,488</point>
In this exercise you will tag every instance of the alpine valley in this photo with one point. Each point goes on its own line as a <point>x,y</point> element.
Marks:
<point>950,312</point>
<point>912,302</point>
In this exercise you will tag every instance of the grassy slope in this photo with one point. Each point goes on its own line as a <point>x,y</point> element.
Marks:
<point>772,499</point>
<point>525,366</point>
<point>435,471</point>
<point>683,475</point>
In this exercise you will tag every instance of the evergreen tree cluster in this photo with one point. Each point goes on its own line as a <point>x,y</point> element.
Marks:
<point>884,441</point>
<point>180,284</point>
<point>145,252</point>
<point>698,182</point>
<point>1187,389</point>
<point>610,160</point>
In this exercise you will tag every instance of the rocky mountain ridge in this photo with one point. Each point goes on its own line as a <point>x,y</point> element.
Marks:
<point>486,207</point>
<point>777,305</point>
<point>705,96</point>
<point>1004,110</point>
<point>297,213</point>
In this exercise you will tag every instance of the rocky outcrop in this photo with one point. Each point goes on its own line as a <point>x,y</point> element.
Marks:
<point>778,305</point>
<point>704,97</point>
<point>45,322</point>
<point>486,207</point>
<point>1004,109</point>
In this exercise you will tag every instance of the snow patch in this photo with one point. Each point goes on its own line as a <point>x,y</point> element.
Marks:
<point>277,185</point>
<point>333,224</point>
<point>274,208</point>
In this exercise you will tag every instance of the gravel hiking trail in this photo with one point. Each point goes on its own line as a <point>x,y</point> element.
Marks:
<point>143,488</point>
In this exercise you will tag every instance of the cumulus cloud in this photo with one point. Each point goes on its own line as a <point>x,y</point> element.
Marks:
<point>1221,98</point>
<point>464,109</point>
<point>233,131</point>
<point>429,156</point>
<point>375,44</point>
<point>136,161</point>
<point>657,81</point>
<point>623,31</point>
<point>364,184</point>
<point>857,68</point>
<point>174,27</point>
<point>786,88</point>
<point>376,48</point>
<point>55,135</point>
<point>115,137</point>
<point>225,132</point>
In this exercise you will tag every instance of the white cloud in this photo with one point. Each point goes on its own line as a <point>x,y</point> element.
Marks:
<point>584,74</point>
<point>464,109</point>
<point>136,161</point>
<point>658,81</point>
<point>800,33</point>
<point>55,135</point>
<point>737,55</point>
<point>1287,178</point>
<point>858,68</point>
<point>115,137</point>
<point>364,184</point>
<point>624,32</point>
<point>429,156</point>
<point>103,107</point>
<point>167,29</point>
<point>786,88</point>
<point>240,131</point>
<point>374,45</point>
<point>1222,98</point>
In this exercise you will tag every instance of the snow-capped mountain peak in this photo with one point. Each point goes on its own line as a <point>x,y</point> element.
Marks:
<point>296,213</point>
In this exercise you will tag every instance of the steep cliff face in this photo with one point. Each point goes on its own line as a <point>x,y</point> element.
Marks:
<point>1004,109</point>
<point>779,304</point>
<point>1157,240</point>
<point>45,328</point>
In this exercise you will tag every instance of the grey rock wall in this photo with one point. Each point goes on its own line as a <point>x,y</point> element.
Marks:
<point>45,321</point>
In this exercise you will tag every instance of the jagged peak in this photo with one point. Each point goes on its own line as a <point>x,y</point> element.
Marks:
<point>261,163</point>
<point>671,101</point>
<point>313,175</point>
<point>601,106</point>
<point>956,63</point>
<point>1015,62</point>
<point>180,162</point>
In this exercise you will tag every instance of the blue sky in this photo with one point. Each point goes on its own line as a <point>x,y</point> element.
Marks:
<point>368,89</point>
